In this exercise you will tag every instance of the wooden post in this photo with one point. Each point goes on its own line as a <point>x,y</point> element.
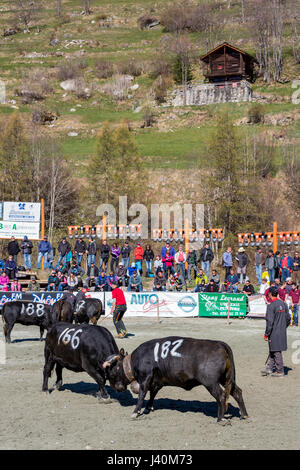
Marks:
<point>228,312</point>
<point>275,235</point>
<point>186,238</point>
<point>104,231</point>
<point>42,225</point>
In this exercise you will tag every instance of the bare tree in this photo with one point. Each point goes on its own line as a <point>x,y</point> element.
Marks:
<point>59,8</point>
<point>266,23</point>
<point>25,12</point>
<point>87,7</point>
<point>183,50</point>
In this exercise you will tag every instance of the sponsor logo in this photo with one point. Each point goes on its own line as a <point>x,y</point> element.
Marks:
<point>187,304</point>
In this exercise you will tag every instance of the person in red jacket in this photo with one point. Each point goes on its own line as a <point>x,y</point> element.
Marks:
<point>138,257</point>
<point>118,309</point>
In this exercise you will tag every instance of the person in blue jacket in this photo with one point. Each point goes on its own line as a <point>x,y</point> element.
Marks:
<point>44,249</point>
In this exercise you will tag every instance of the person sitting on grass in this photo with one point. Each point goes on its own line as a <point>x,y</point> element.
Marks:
<point>4,281</point>
<point>159,282</point>
<point>212,286</point>
<point>248,288</point>
<point>233,280</point>
<point>135,283</point>
<point>53,281</point>
<point>102,282</point>
<point>201,276</point>
<point>33,285</point>
<point>15,286</point>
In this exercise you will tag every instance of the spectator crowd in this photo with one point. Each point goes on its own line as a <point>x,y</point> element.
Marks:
<point>171,270</point>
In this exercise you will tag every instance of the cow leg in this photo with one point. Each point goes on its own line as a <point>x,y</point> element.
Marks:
<point>49,365</point>
<point>153,392</point>
<point>236,392</point>
<point>7,328</point>
<point>144,387</point>
<point>102,393</point>
<point>42,329</point>
<point>219,394</point>
<point>58,371</point>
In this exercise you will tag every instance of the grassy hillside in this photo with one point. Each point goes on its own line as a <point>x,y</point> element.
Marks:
<point>111,33</point>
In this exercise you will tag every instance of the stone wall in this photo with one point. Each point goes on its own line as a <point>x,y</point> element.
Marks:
<point>210,93</point>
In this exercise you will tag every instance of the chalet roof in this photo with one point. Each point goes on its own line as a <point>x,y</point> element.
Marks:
<point>205,57</point>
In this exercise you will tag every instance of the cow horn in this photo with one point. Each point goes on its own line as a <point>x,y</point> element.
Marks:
<point>127,368</point>
<point>110,360</point>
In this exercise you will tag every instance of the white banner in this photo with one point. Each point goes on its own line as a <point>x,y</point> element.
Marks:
<point>258,306</point>
<point>20,229</point>
<point>152,304</point>
<point>22,211</point>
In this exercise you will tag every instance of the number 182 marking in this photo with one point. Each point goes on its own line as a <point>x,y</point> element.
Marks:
<point>165,349</point>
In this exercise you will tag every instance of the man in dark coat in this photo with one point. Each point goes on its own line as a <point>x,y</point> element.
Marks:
<point>13,248</point>
<point>63,248</point>
<point>277,321</point>
<point>206,257</point>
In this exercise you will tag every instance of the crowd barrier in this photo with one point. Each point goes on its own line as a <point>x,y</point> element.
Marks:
<point>153,304</point>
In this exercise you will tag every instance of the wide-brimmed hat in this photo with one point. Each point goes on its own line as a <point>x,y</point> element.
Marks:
<point>241,250</point>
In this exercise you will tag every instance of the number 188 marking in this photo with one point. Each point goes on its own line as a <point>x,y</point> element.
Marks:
<point>165,349</point>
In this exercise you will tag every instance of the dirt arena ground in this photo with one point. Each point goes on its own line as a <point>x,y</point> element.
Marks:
<point>73,419</point>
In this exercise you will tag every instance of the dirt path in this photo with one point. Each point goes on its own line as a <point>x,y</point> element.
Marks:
<point>73,419</point>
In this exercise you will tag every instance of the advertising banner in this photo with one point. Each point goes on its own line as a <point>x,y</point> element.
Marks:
<point>153,304</point>
<point>10,229</point>
<point>22,211</point>
<point>45,297</point>
<point>217,304</point>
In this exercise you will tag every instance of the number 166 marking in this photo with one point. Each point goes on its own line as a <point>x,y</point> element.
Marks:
<point>165,349</point>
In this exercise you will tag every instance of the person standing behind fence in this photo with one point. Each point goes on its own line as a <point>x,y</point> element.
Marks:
<point>163,253</point>
<point>91,252</point>
<point>44,249</point>
<point>296,269</point>
<point>104,256</point>
<point>63,248</point>
<point>277,321</point>
<point>180,259</point>
<point>115,253</point>
<point>80,249</point>
<point>286,266</point>
<point>138,257</point>
<point>125,254</point>
<point>206,257</point>
<point>294,296</point>
<point>243,261</point>
<point>227,261</point>
<point>270,265</point>
<point>258,265</point>
<point>148,257</point>
<point>13,249</point>
<point>118,309</point>
<point>191,260</point>
<point>26,247</point>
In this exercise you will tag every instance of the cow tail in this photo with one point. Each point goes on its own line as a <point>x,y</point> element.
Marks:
<point>229,382</point>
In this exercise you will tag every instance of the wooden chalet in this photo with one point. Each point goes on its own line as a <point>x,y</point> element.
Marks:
<point>227,63</point>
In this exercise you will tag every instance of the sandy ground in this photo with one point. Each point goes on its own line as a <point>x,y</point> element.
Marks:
<point>74,419</point>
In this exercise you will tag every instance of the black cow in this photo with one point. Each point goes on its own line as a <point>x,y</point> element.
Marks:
<point>63,311</point>
<point>88,310</point>
<point>180,362</point>
<point>26,313</point>
<point>80,348</point>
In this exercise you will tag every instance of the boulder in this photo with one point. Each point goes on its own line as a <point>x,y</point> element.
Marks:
<point>69,85</point>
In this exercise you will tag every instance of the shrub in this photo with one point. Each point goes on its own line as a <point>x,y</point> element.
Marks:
<point>131,68</point>
<point>67,71</point>
<point>256,114</point>
<point>145,21</point>
<point>104,69</point>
